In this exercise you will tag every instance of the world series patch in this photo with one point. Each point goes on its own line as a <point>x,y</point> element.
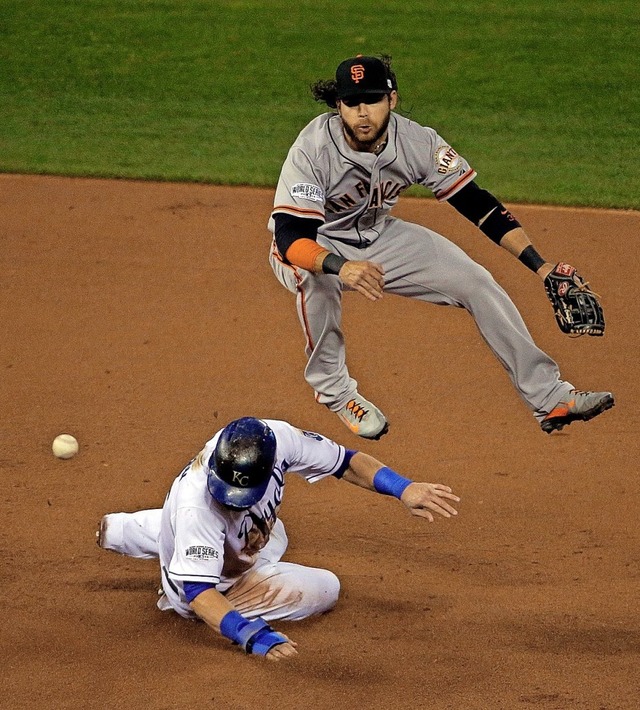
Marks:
<point>307,191</point>
<point>201,552</point>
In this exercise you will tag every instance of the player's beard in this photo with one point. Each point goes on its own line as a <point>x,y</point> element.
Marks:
<point>366,145</point>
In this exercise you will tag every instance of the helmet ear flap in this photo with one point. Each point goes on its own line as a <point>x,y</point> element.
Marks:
<point>242,462</point>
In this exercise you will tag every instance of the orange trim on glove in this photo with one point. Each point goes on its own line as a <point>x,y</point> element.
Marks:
<point>304,253</point>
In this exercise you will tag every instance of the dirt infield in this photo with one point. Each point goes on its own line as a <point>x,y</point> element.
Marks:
<point>141,317</point>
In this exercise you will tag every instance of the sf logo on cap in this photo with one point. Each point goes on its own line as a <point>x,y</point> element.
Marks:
<point>357,73</point>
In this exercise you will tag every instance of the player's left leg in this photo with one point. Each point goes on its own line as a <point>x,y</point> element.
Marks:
<point>422,264</point>
<point>132,534</point>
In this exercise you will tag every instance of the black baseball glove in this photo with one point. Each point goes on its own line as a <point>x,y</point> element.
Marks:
<point>577,309</point>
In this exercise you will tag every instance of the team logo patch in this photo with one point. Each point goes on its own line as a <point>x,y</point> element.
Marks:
<point>357,73</point>
<point>307,191</point>
<point>447,160</point>
<point>240,479</point>
<point>201,552</point>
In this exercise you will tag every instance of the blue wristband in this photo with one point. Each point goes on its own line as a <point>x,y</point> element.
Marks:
<point>255,637</point>
<point>263,641</point>
<point>231,625</point>
<point>390,483</point>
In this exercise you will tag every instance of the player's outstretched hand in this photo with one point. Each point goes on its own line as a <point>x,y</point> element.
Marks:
<point>424,499</point>
<point>365,277</point>
<point>282,650</point>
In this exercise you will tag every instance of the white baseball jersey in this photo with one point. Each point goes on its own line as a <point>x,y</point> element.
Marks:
<point>350,191</point>
<point>202,541</point>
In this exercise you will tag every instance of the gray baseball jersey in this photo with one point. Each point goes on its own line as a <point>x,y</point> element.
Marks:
<point>351,193</point>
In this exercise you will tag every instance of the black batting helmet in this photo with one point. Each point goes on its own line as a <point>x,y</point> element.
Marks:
<point>242,463</point>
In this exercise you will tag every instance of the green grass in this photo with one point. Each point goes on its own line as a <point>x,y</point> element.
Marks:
<point>542,96</point>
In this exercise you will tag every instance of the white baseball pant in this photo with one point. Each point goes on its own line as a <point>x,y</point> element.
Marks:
<point>271,589</point>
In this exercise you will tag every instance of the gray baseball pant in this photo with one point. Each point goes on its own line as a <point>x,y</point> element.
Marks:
<point>420,264</point>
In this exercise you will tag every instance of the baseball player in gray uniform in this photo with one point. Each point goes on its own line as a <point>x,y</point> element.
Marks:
<point>220,542</point>
<point>333,231</point>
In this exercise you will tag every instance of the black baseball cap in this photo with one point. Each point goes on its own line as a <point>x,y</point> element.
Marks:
<point>362,75</point>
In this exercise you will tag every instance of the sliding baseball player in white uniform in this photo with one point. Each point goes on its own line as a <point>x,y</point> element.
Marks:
<point>219,539</point>
<point>333,231</point>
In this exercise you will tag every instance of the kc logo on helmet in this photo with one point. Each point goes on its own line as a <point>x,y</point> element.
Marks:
<point>240,479</point>
<point>357,73</point>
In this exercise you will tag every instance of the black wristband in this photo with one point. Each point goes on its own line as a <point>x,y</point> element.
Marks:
<point>531,259</point>
<point>333,263</point>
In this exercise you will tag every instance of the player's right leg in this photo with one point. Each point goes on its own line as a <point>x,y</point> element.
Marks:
<point>285,591</point>
<point>276,590</point>
<point>319,305</point>
<point>132,534</point>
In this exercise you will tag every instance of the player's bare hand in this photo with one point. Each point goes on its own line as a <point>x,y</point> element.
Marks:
<point>424,499</point>
<point>282,651</point>
<point>366,277</point>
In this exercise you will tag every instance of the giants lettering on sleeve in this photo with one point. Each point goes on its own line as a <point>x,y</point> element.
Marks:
<point>447,160</point>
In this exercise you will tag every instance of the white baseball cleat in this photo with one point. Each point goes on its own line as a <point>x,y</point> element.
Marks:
<point>363,418</point>
<point>101,533</point>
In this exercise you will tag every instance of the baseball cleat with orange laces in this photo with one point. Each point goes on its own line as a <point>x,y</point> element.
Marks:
<point>577,406</point>
<point>363,418</point>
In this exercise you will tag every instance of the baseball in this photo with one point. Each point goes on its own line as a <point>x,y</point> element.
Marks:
<point>65,446</point>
